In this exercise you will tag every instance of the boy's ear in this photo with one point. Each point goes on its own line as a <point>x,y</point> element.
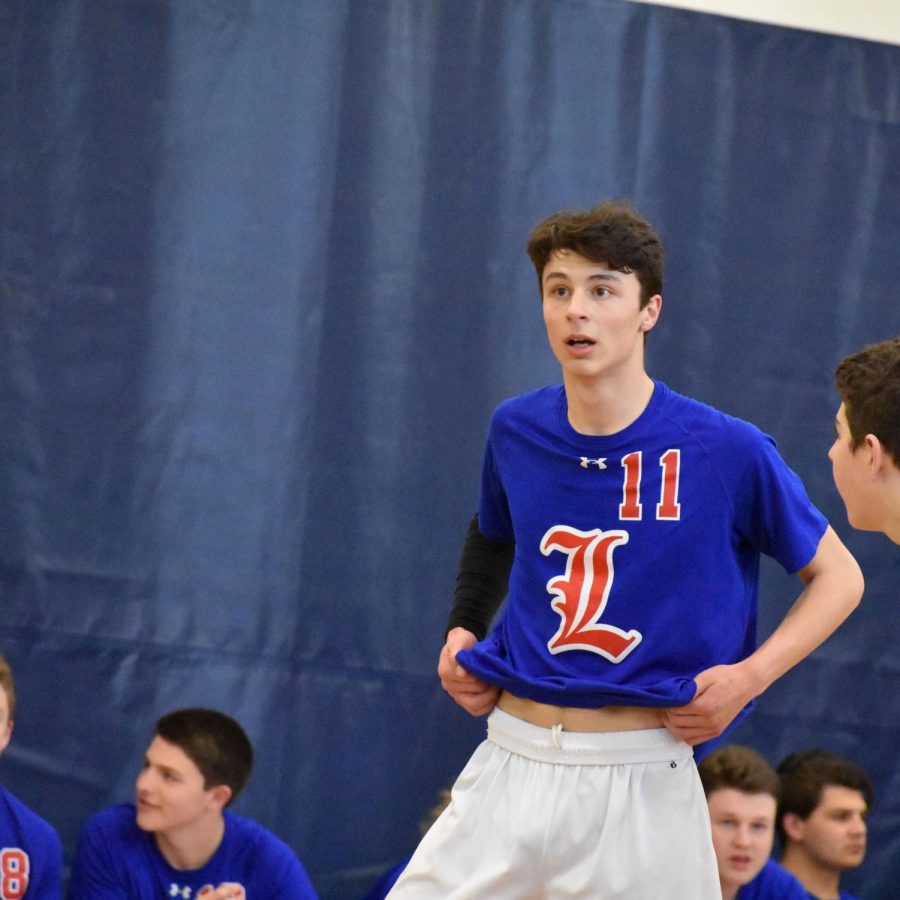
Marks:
<point>794,826</point>
<point>650,312</point>
<point>220,795</point>
<point>6,735</point>
<point>877,456</point>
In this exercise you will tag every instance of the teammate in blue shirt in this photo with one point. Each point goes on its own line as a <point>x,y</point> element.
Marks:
<point>825,800</point>
<point>865,456</point>
<point>179,840</point>
<point>742,792</point>
<point>30,849</point>
<point>627,522</point>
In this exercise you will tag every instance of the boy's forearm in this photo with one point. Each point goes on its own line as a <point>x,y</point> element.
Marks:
<point>481,583</point>
<point>834,586</point>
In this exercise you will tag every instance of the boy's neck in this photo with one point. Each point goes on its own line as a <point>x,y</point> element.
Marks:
<point>193,846</point>
<point>606,407</point>
<point>729,891</point>
<point>891,495</point>
<point>823,883</point>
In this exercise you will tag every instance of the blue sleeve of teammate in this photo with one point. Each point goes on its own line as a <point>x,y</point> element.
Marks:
<point>93,869</point>
<point>46,882</point>
<point>293,883</point>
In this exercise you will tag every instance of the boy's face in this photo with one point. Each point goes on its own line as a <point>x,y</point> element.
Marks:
<point>170,791</point>
<point>834,835</point>
<point>595,324</point>
<point>6,725</point>
<point>851,474</point>
<point>743,828</point>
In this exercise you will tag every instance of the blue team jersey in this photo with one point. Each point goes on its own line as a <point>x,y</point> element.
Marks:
<point>636,554</point>
<point>116,859</point>
<point>30,853</point>
<point>773,883</point>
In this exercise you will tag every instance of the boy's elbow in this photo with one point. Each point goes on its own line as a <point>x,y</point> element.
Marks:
<point>846,576</point>
<point>857,583</point>
<point>849,579</point>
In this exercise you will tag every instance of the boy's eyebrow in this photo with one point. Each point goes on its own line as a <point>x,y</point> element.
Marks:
<point>605,276</point>
<point>160,766</point>
<point>598,276</point>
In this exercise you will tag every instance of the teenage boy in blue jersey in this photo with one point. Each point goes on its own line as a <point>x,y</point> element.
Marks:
<point>179,840</point>
<point>30,849</point>
<point>822,814</point>
<point>742,792</point>
<point>629,521</point>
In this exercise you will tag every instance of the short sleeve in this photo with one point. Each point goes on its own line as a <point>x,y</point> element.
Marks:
<point>773,510</point>
<point>93,874</point>
<point>494,518</point>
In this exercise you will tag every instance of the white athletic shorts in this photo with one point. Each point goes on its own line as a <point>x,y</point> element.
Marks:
<point>540,814</point>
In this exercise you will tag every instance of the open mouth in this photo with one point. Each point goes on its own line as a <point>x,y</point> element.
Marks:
<point>579,341</point>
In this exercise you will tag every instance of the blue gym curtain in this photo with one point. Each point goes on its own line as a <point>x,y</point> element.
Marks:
<point>262,281</point>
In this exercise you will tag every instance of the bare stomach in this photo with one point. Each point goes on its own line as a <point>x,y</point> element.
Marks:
<point>573,718</point>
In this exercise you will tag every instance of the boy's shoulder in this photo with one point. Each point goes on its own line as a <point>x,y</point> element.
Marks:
<point>251,847</point>
<point>117,819</point>
<point>15,816</point>
<point>31,849</point>
<point>113,834</point>
<point>690,411</point>
<point>548,397</point>
<point>252,834</point>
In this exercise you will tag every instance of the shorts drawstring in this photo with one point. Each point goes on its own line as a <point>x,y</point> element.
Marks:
<point>555,732</point>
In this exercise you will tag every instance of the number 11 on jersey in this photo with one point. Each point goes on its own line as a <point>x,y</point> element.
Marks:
<point>631,508</point>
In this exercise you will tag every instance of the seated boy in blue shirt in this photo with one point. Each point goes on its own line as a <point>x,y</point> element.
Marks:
<point>742,792</point>
<point>178,839</point>
<point>31,854</point>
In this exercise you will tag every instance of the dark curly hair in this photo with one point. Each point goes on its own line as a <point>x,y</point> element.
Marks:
<point>613,233</point>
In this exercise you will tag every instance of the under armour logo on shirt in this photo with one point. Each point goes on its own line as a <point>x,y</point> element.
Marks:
<point>175,891</point>
<point>586,463</point>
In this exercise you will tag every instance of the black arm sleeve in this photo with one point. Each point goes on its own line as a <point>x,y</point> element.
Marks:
<point>482,582</point>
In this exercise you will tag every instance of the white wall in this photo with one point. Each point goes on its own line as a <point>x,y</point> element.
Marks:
<point>874,20</point>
